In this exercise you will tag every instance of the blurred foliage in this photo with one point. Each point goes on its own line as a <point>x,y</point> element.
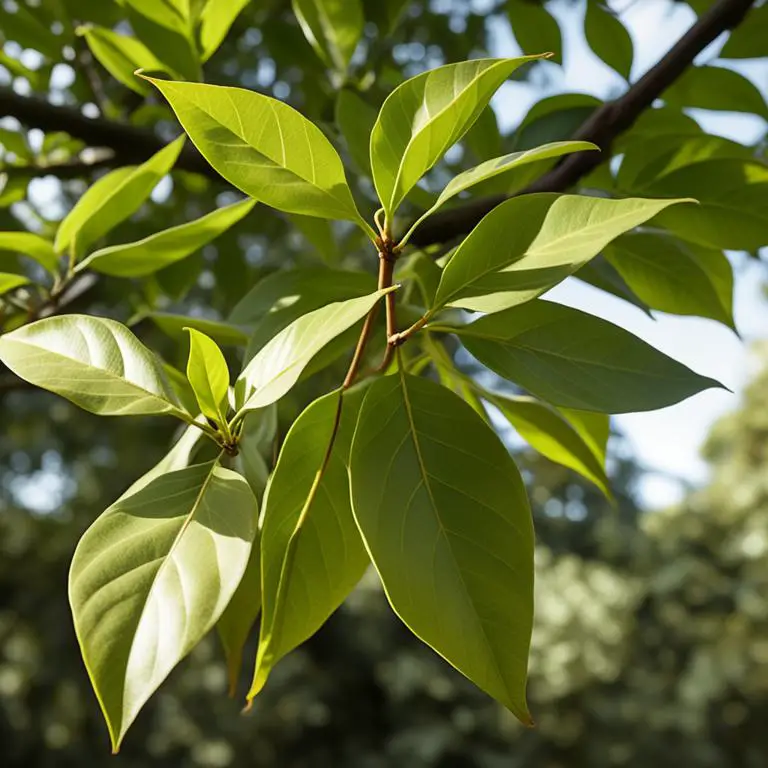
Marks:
<point>650,645</point>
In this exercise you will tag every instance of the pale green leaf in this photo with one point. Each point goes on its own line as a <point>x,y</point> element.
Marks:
<point>425,116</point>
<point>9,281</point>
<point>733,212</point>
<point>151,577</point>
<point>96,363</point>
<point>503,165</point>
<point>530,243</point>
<point>535,29</point>
<point>674,276</point>
<point>208,374</point>
<point>332,27</point>
<point>319,234</point>
<point>121,56</point>
<point>355,118</point>
<point>576,360</point>
<point>278,365</point>
<point>235,624</point>
<point>215,21</point>
<point>553,436</point>
<point>608,38</point>
<point>311,551</point>
<point>224,334</point>
<point>112,199</point>
<point>31,245</point>
<point>166,13</point>
<point>157,251</point>
<point>444,514</point>
<point>264,147</point>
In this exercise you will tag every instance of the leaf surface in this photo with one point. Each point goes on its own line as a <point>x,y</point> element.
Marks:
<point>576,360</point>
<point>150,578</point>
<point>445,518</point>
<point>96,363</point>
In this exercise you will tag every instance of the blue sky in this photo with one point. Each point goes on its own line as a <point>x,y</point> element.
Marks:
<point>667,440</point>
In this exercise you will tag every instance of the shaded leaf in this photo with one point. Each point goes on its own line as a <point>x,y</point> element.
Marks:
<point>576,360</point>
<point>312,553</point>
<point>535,29</point>
<point>446,521</point>
<point>31,245</point>
<point>747,40</point>
<point>675,277</point>
<point>225,334</point>
<point>9,281</point>
<point>608,38</point>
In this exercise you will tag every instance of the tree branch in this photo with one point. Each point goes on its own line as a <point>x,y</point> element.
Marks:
<point>602,128</point>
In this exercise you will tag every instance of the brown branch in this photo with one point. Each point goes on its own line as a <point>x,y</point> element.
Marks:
<point>602,128</point>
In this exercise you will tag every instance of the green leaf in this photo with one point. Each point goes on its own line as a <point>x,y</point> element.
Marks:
<point>604,276</point>
<point>425,116</point>
<point>535,29</point>
<point>96,363</point>
<point>733,213</point>
<point>112,199</point>
<point>552,435</point>
<point>747,40</point>
<point>576,360</point>
<point>443,511</point>
<point>9,281</point>
<point>608,38</point>
<point>333,28</point>
<point>715,88</point>
<point>34,246</point>
<point>215,21</point>
<point>502,165</point>
<point>25,28</point>
<point>121,56</point>
<point>224,334</point>
<point>235,624</point>
<point>157,251</point>
<point>499,265</point>
<point>151,577</point>
<point>278,365</point>
<point>257,441</point>
<point>355,118</point>
<point>483,139</point>
<point>182,388</point>
<point>311,551</point>
<point>208,374</point>
<point>265,148</point>
<point>673,276</point>
<point>166,13</point>
<point>319,234</point>
<point>554,118</point>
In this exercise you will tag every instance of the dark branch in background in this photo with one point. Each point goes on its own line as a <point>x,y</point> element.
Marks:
<point>128,143</point>
<point>602,128</point>
<point>134,145</point>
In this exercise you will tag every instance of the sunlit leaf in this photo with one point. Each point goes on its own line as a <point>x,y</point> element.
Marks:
<point>208,374</point>
<point>31,245</point>
<point>278,365</point>
<point>333,28</point>
<point>9,281</point>
<point>425,116</point>
<point>499,265</point>
<point>112,199</point>
<point>150,578</point>
<point>215,21</point>
<point>263,147</point>
<point>96,363</point>
<point>157,251</point>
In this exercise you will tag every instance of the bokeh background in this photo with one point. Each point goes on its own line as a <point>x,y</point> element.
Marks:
<point>651,638</point>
